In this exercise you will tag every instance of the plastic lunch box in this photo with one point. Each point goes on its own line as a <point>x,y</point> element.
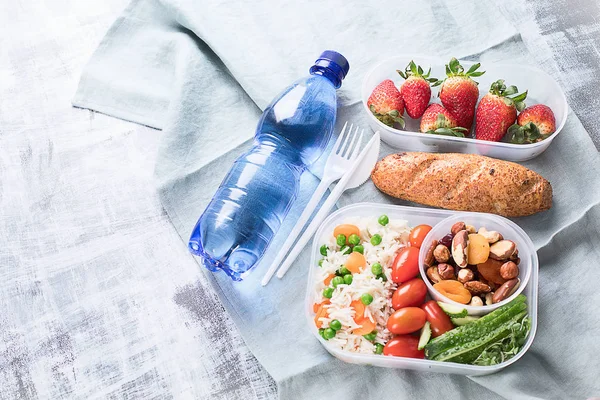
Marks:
<point>541,89</point>
<point>415,216</point>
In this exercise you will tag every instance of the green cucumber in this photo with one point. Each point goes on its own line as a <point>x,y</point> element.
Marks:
<point>463,335</point>
<point>463,320</point>
<point>452,310</point>
<point>425,336</point>
<point>467,353</point>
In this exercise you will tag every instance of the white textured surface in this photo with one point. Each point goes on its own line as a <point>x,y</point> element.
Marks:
<point>98,295</point>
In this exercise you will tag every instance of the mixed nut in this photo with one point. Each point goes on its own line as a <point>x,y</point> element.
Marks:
<point>474,267</point>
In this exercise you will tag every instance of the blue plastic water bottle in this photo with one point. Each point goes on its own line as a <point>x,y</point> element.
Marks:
<point>246,211</point>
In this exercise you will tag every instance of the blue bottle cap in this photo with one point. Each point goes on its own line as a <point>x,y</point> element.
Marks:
<point>333,62</point>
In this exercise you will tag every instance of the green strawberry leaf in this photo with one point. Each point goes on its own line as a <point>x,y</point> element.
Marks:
<point>473,68</point>
<point>402,74</point>
<point>447,132</point>
<point>528,133</point>
<point>510,90</point>
<point>520,97</point>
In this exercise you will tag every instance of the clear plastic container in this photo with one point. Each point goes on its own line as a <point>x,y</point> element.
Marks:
<point>414,216</point>
<point>491,222</point>
<point>542,89</point>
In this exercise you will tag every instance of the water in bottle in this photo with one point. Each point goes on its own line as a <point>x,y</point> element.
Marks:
<point>246,211</point>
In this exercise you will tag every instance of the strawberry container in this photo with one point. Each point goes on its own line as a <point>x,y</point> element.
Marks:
<point>541,89</point>
<point>416,216</point>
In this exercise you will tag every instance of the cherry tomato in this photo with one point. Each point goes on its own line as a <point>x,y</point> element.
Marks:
<point>417,235</point>
<point>409,294</point>
<point>406,320</point>
<point>438,319</point>
<point>406,265</point>
<point>403,346</point>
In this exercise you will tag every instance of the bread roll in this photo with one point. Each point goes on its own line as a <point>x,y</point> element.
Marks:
<point>464,182</point>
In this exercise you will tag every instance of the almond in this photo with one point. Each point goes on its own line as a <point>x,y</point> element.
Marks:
<point>429,256</point>
<point>476,287</point>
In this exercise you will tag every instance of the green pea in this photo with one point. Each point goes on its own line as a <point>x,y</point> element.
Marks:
<point>321,262</point>
<point>346,250</point>
<point>338,280</point>
<point>354,239</point>
<point>382,277</point>
<point>378,348</point>
<point>376,239</point>
<point>376,269</point>
<point>365,298</point>
<point>328,292</point>
<point>383,220</point>
<point>321,332</point>
<point>328,333</point>
<point>371,336</point>
<point>340,239</point>
<point>335,324</point>
<point>348,279</point>
<point>323,250</point>
<point>359,249</point>
<point>344,271</point>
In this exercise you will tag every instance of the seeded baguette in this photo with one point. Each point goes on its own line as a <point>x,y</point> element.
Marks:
<point>464,182</point>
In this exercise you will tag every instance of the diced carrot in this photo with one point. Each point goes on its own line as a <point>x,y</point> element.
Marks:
<point>346,230</point>
<point>316,306</point>
<point>321,313</point>
<point>327,280</point>
<point>356,262</point>
<point>367,327</point>
<point>359,309</point>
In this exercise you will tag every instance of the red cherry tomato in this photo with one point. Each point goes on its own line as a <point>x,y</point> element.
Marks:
<point>438,319</point>
<point>403,346</point>
<point>406,320</point>
<point>406,265</point>
<point>417,235</point>
<point>409,294</point>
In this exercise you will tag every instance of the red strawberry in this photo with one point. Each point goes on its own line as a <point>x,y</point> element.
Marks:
<point>386,103</point>
<point>534,124</point>
<point>415,90</point>
<point>459,93</point>
<point>497,111</point>
<point>438,120</point>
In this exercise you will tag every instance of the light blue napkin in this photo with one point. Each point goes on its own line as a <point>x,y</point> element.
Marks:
<point>202,71</point>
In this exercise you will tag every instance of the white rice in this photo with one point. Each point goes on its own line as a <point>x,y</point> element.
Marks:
<point>394,236</point>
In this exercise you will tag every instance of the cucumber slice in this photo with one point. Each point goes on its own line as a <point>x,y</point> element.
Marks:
<point>463,320</point>
<point>425,336</point>
<point>452,310</point>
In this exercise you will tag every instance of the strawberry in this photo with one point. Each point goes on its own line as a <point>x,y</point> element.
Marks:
<point>497,110</point>
<point>386,103</point>
<point>415,90</point>
<point>438,120</point>
<point>459,93</point>
<point>534,124</point>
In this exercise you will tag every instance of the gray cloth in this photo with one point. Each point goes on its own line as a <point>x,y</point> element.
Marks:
<point>218,65</point>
